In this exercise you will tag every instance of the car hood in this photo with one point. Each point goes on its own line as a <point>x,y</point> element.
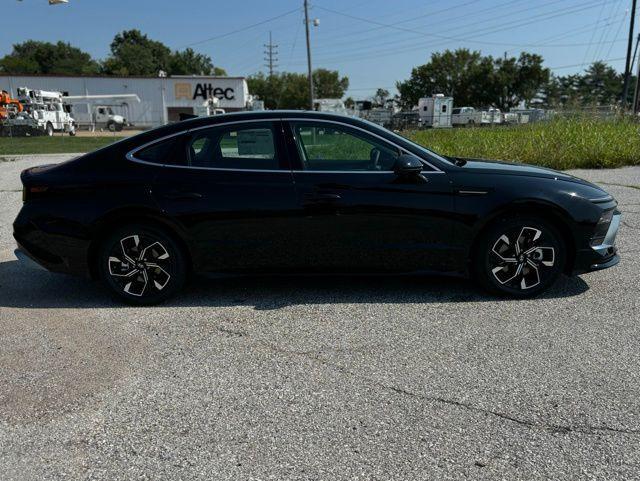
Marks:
<point>484,166</point>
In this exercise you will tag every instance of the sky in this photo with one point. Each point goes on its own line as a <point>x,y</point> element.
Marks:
<point>374,42</point>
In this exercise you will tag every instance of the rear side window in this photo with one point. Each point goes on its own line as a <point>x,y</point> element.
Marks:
<point>242,146</point>
<point>163,152</point>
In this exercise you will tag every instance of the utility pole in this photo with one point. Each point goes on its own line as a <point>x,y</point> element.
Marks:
<point>627,67</point>
<point>636,94</point>
<point>306,26</point>
<point>271,53</point>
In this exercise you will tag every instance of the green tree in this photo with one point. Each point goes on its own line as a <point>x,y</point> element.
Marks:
<point>290,90</point>
<point>189,62</point>
<point>515,80</point>
<point>600,85</point>
<point>283,90</point>
<point>475,80</point>
<point>34,57</point>
<point>381,96</point>
<point>327,84</point>
<point>133,53</point>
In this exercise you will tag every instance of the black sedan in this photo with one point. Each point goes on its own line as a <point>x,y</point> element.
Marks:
<point>289,191</point>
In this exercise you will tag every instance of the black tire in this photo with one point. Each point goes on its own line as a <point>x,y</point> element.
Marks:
<point>519,257</point>
<point>141,264</point>
<point>49,129</point>
<point>111,126</point>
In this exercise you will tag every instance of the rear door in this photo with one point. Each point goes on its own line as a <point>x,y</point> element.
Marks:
<point>356,213</point>
<point>233,193</point>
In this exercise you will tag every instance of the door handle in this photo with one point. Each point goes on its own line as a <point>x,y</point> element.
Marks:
<point>175,195</point>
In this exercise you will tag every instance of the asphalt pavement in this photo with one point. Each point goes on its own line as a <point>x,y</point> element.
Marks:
<point>321,378</point>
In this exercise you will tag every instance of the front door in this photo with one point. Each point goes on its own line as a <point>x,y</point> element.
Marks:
<point>356,214</point>
<point>234,196</point>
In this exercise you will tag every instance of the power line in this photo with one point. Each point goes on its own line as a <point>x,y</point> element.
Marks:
<point>381,53</point>
<point>488,30</point>
<point>271,53</point>
<point>411,42</point>
<point>233,32</point>
<point>587,63</point>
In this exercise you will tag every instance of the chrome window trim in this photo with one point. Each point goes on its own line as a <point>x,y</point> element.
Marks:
<point>131,154</point>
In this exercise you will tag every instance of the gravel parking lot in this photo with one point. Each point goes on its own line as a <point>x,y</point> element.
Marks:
<point>329,378</point>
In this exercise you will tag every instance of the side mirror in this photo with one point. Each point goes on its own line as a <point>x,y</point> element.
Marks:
<point>408,166</point>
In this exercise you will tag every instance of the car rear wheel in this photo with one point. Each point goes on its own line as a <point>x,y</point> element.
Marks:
<point>142,264</point>
<point>519,257</point>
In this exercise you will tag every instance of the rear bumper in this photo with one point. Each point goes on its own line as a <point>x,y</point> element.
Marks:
<point>45,243</point>
<point>26,260</point>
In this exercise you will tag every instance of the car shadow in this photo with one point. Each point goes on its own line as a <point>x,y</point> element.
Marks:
<point>22,287</point>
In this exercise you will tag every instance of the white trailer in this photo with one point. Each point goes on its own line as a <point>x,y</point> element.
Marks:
<point>335,106</point>
<point>491,116</point>
<point>435,111</point>
<point>101,111</point>
<point>466,116</point>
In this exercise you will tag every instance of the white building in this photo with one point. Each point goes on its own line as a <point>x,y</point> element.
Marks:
<point>163,99</point>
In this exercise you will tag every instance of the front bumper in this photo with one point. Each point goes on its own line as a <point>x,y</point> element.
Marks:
<point>601,256</point>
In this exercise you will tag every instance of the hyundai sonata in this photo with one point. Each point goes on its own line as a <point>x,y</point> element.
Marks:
<point>290,191</point>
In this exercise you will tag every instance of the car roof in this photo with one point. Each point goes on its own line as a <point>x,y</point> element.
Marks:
<point>265,114</point>
<point>220,119</point>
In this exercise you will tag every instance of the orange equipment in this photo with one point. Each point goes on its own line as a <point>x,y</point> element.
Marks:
<point>8,105</point>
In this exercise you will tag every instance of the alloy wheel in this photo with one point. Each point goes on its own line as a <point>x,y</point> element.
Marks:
<point>523,258</point>
<point>139,265</point>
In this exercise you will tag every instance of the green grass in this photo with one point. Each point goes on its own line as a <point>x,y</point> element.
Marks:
<point>560,144</point>
<point>52,145</point>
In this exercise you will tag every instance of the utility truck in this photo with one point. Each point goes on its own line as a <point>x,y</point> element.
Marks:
<point>101,112</point>
<point>42,114</point>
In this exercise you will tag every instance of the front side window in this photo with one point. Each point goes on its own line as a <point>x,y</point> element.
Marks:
<point>332,147</point>
<point>242,146</point>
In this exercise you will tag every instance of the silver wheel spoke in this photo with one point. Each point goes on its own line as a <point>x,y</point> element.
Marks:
<point>160,277</point>
<point>129,246</point>
<point>119,268</point>
<point>154,252</point>
<point>137,286</point>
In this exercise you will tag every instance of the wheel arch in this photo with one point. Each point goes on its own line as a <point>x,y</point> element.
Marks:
<point>546,211</point>
<point>140,216</point>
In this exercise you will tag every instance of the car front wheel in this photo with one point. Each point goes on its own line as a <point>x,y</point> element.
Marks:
<point>519,257</point>
<point>142,265</point>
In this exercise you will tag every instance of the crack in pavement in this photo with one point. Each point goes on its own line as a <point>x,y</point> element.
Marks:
<point>557,428</point>
<point>554,428</point>
<point>629,186</point>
